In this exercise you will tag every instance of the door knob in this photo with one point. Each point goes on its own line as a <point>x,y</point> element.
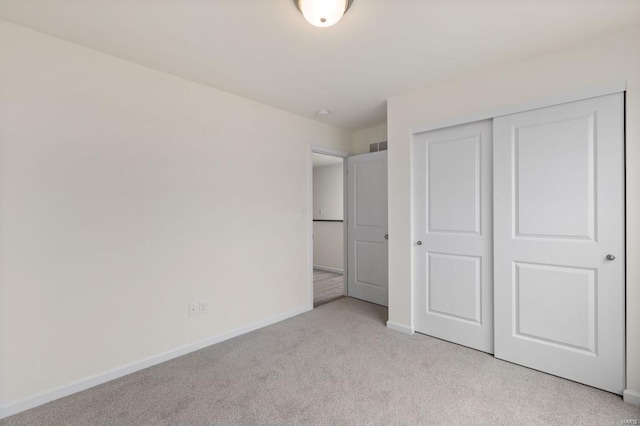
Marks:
<point>419,243</point>
<point>611,257</point>
<point>386,236</point>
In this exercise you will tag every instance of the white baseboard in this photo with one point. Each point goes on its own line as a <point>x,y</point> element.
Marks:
<point>400,327</point>
<point>48,396</point>
<point>631,397</point>
<point>328,269</point>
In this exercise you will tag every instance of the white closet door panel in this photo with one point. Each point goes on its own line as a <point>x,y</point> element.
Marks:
<point>452,221</point>
<point>559,211</point>
<point>454,198</point>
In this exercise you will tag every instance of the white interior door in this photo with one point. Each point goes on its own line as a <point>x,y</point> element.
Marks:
<point>367,274</point>
<point>559,224</point>
<point>453,234</point>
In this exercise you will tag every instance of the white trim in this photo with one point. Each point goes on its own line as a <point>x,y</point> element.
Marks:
<point>608,89</point>
<point>107,376</point>
<point>631,397</point>
<point>328,269</point>
<point>345,228</point>
<point>400,327</point>
<point>310,222</point>
<point>329,151</point>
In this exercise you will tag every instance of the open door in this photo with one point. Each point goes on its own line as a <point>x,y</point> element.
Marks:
<point>367,228</point>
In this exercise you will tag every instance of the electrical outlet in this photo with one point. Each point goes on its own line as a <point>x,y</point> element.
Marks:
<point>193,309</point>
<point>203,307</point>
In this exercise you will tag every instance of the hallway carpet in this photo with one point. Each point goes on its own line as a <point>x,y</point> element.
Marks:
<point>340,365</point>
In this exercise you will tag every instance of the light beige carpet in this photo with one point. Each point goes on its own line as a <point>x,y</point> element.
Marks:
<point>338,365</point>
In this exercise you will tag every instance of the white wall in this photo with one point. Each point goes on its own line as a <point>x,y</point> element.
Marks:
<point>328,246</point>
<point>328,190</point>
<point>328,198</point>
<point>125,194</point>
<point>594,63</point>
<point>362,138</point>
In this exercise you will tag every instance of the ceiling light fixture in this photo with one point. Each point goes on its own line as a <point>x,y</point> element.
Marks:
<point>323,13</point>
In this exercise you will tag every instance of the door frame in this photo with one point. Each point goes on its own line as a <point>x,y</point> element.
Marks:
<point>316,149</point>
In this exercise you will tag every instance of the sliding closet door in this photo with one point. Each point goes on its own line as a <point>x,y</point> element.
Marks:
<point>559,240</point>
<point>453,233</point>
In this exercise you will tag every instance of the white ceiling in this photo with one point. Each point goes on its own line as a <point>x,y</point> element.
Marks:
<point>265,50</point>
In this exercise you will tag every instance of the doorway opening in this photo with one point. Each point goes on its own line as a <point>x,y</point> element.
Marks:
<point>327,215</point>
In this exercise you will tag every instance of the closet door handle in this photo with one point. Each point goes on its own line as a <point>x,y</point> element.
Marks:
<point>386,236</point>
<point>419,243</point>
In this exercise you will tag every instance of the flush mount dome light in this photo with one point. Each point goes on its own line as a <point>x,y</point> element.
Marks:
<point>323,13</point>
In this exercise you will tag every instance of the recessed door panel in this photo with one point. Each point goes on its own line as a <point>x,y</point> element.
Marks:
<point>559,240</point>
<point>554,174</point>
<point>453,191</point>
<point>454,286</point>
<point>370,259</point>
<point>370,202</point>
<point>555,305</point>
